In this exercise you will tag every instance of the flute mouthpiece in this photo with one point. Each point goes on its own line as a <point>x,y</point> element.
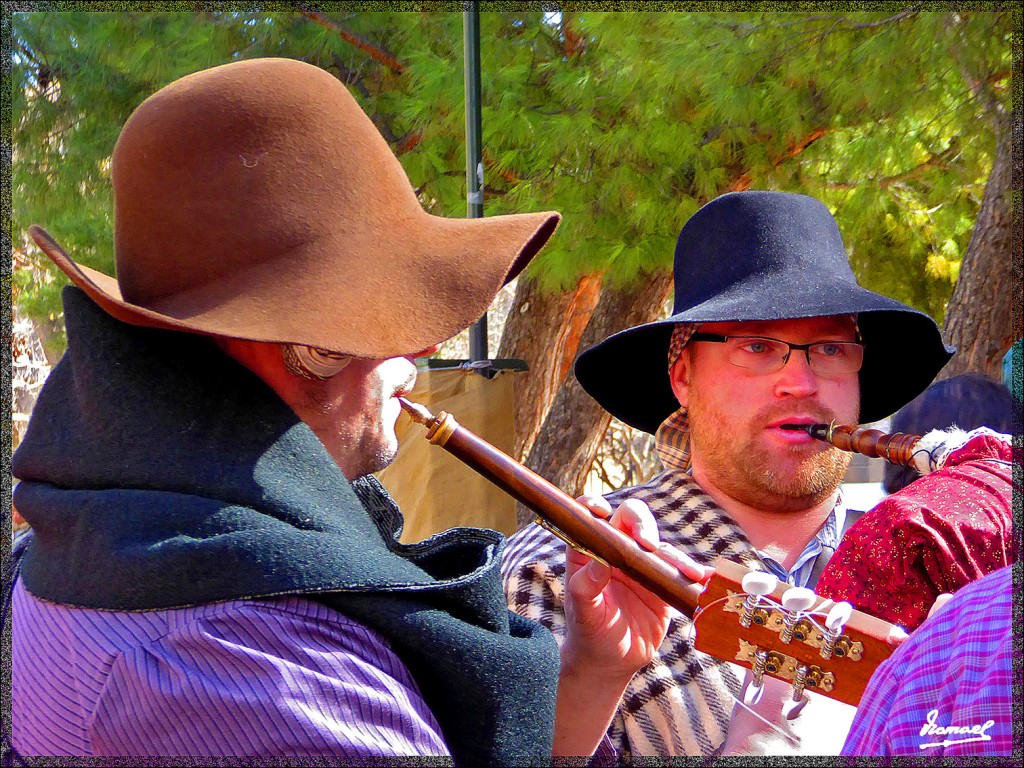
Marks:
<point>820,431</point>
<point>416,412</point>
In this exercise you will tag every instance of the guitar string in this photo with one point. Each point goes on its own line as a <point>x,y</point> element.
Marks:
<point>690,636</point>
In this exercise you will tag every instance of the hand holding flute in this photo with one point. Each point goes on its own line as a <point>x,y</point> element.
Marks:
<point>614,625</point>
<point>668,573</point>
<point>603,600</point>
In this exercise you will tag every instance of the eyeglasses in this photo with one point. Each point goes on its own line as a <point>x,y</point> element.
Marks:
<point>312,362</point>
<point>765,355</point>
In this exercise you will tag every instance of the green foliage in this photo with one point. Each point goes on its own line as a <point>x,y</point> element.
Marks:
<point>624,122</point>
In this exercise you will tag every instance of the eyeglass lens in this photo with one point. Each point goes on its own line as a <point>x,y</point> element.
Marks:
<point>767,355</point>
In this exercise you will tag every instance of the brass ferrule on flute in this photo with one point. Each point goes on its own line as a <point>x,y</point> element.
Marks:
<point>896,448</point>
<point>563,515</point>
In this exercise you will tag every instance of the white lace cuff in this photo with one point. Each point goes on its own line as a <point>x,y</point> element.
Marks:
<point>932,450</point>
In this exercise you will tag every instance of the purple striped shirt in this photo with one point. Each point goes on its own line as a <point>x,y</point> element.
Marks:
<point>276,677</point>
<point>948,689</point>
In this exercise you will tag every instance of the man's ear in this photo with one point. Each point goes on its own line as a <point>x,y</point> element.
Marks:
<point>679,378</point>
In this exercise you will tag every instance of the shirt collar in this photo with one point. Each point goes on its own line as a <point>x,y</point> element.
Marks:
<point>827,538</point>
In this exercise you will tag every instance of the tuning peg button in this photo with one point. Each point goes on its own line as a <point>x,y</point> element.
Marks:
<point>756,584</point>
<point>759,583</point>
<point>791,709</point>
<point>752,694</point>
<point>798,599</point>
<point>834,623</point>
<point>795,601</point>
<point>838,616</point>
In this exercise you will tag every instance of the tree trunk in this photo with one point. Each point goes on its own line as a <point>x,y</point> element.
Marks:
<point>983,317</point>
<point>544,329</point>
<point>564,449</point>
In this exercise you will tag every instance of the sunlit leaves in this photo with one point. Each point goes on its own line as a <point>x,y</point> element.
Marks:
<point>624,122</point>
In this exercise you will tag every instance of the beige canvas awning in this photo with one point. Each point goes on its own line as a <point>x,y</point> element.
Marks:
<point>434,490</point>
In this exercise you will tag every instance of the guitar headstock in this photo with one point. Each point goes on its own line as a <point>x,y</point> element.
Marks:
<point>790,642</point>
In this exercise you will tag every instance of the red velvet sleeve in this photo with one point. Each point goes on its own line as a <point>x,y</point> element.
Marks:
<point>937,534</point>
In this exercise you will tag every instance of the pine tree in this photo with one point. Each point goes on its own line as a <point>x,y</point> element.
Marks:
<point>624,122</point>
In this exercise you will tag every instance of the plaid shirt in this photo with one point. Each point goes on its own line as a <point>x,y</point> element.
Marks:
<point>681,703</point>
<point>955,672</point>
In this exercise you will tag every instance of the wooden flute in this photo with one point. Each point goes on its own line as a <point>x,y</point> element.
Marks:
<point>836,662</point>
<point>563,515</point>
<point>896,448</point>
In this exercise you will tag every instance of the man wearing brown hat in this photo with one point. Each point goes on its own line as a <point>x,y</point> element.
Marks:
<point>212,568</point>
<point>770,331</point>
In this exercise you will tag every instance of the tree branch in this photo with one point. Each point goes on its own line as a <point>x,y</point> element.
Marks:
<point>509,176</point>
<point>839,23</point>
<point>746,30</point>
<point>912,10</point>
<point>797,147</point>
<point>408,142</point>
<point>374,51</point>
<point>400,144</point>
<point>978,84</point>
<point>888,181</point>
<point>350,77</point>
<point>573,43</point>
<point>742,182</point>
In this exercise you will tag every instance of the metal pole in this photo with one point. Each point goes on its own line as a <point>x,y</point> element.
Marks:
<point>474,152</point>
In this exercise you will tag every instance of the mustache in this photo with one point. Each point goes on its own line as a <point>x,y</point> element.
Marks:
<point>818,411</point>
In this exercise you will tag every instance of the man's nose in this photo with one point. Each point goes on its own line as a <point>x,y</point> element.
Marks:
<point>796,377</point>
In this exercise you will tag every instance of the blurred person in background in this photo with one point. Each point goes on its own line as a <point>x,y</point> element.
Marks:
<point>967,401</point>
<point>938,532</point>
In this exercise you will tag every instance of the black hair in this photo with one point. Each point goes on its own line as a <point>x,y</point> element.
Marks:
<point>968,401</point>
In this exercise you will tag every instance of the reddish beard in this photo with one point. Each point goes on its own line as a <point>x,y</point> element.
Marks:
<point>776,478</point>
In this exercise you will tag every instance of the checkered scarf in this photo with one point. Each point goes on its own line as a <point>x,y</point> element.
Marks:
<point>672,438</point>
<point>680,703</point>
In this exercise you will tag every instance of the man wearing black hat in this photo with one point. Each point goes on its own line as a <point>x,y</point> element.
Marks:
<point>769,331</point>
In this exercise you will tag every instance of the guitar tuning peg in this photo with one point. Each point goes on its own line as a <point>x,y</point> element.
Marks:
<point>798,599</point>
<point>791,709</point>
<point>837,617</point>
<point>795,601</point>
<point>759,583</point>
<point>834,623</point>
<point>756,584</point>
<point>752,693</point>
<point>754,688</point>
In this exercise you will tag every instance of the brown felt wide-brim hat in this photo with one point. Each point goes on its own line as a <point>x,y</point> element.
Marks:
<point>256,200</point>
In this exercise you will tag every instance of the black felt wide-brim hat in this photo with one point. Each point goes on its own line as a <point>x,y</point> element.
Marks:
<point>764,256</point>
